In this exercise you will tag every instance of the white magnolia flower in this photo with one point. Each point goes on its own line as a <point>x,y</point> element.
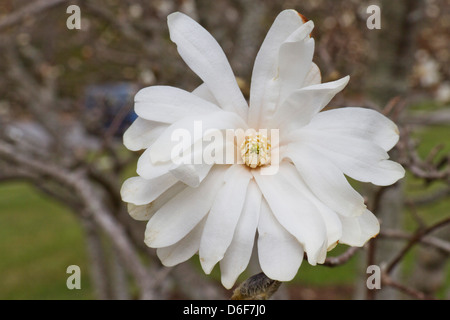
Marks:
<point>224,212</point>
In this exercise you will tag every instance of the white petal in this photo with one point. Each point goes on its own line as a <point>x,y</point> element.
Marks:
<point>265,69</point>
<point>325,180</point>
<point>149,170</point>
<point>280,254</point>
<point>295,59</point>
<point>358,158</point>
<point>190,166</point>
<point>165,197</point>
<point>330,218</point>
<point>357,122</point>
<point>193,129</point>
<point>140,213</point>
<point>168,104</point>
<point>146,211</point>
<point>313,76</point>
<point>356,231</point>
<point>303,104</point>
<point>294,211</point>
<point>240,250</point>
<point>205,57</point>
<point>203,92</point>
<point>183,249</point>
<point>223,217</point>
<point>186,170</point>
<point>332,224</point>
<point>142,133</point>
<point>191,174</point>
<point>141,191</point>
<point>183,212</point>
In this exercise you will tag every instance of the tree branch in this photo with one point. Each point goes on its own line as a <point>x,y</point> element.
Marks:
<point>83,189</point>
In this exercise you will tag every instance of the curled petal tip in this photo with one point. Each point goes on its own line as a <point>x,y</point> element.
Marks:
<point>305,20</point>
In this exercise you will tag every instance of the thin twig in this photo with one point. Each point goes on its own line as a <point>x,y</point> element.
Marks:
<point>413,240</point>
<point>428,240</point>
<point>388,281</point>
<point>30,10</point>
<point>341,259</point>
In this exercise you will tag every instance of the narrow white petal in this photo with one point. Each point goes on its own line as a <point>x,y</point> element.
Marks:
<point>280,254</point>
<point>142,133</point>
<point>294,211</point>
<point>141,191</point>
<point>313,76</point>
<point>182,250</point>
<point>370,226</point>
<point>223,216</point>
<point>358,158</point>
<point>176,218</point>
<point>325,180</point>
<point>205,57</point>
<point>169,104</point>
<point>191,167</point>
<point>183,155</point>
<point>147,169</point>
<point>185,169</point>
<point>332,223</point>
<point>265,69</point>
<point>357,122</point>
<point>356,231</point>
<point>330,218</point>
<point>191,174</point>
<point>240,250</point>
<point>303,104</point>
<point>295,59</point>
<point>140,213</point>
<point>192,129</point>
<point>203,92</point>
<point>165,197</point>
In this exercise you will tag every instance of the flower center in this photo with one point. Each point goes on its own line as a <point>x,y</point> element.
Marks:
<point>255,150</point>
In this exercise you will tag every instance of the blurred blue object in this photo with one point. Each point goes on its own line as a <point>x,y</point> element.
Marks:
<point>111,106</point>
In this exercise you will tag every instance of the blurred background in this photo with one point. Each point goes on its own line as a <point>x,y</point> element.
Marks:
<point>66,97</point>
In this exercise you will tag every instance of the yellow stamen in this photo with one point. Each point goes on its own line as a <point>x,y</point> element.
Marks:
<point>255,150</point>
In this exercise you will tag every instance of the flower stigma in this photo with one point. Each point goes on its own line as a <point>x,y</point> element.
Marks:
<point>255,150</point>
